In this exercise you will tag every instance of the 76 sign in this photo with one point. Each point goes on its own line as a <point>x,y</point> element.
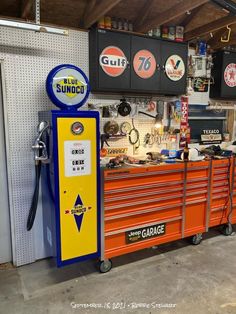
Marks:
<point>144,64</point>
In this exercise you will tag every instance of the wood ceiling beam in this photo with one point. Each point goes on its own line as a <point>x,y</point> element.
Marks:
<point>170,14</point>
<point>219,44</point>
<point>210,27</point>
<point>27,9</point>
<point>99,10</point>
<point>217,37</point>
<point>88,9</point>
<point>143,13</point>
<point>188,19</point>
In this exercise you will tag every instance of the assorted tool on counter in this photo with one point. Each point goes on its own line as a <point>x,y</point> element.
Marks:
<point>161,112</point>
<point>165,130</point>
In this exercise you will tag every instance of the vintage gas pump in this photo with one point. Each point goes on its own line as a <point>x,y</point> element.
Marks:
<point>67,157</point>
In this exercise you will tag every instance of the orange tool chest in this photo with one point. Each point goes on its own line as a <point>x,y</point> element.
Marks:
<point>149,205</point>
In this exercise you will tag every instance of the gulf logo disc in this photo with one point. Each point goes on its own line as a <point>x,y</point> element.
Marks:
<point>230,75</point>
<point>113,61</point>
<point>144,64</point>
<point>175,68</point>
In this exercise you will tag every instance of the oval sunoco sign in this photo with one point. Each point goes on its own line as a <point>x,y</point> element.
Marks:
<point>113,61</point>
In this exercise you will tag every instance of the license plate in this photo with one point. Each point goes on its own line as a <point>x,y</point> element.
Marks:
<point>145,233</point>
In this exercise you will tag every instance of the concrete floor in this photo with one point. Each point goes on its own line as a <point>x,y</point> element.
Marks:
<point>198,279</point>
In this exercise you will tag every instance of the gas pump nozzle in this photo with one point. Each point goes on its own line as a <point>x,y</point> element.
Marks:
<point>39,147</point>
<point>40,154</point>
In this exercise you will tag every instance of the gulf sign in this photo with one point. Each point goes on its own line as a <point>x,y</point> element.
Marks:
<point>113,61</point>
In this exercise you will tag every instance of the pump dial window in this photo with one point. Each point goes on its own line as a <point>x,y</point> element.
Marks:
<point>77,128</point>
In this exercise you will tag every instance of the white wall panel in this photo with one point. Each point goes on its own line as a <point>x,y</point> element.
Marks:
<point>28,57</point>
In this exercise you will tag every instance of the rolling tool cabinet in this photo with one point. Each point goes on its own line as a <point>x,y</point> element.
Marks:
<point>146,206</point>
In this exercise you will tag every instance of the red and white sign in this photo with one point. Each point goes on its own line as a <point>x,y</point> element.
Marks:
<point>230,75</point>
<point>144,64</point>
<point>175,68</point>
<point>184,111</point>
<point>113,61</point>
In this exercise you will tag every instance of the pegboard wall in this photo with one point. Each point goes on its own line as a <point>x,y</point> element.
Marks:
<point>27,58</point>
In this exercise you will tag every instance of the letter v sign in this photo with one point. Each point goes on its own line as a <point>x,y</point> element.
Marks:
<point>175,65</point>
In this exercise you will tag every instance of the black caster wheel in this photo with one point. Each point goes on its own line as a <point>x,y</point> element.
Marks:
<point>105,266</point>
<point>196,239</point>
<point>227,230</point>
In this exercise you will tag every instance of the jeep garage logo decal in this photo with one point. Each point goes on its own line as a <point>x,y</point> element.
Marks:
<point>175,68</point>
<point>230,75</point>
<point>113,61</point>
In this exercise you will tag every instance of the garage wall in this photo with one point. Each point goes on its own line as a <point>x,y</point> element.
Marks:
<point>27,59</point>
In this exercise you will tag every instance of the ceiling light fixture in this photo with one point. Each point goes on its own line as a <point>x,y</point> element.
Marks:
<point>36,27</point>
<point>33,27</point>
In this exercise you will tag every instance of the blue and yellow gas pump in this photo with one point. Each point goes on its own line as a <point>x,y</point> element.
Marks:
<point>67,157</point>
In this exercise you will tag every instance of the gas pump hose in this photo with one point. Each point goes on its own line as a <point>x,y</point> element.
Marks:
<point>34,203</point>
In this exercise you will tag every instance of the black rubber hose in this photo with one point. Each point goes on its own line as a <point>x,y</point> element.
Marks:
<point>49,183</point>
<point>34,203</point>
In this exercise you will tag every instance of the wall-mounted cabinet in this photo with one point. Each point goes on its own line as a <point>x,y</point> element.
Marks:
<point>224,75</point>
<point>123,62</point>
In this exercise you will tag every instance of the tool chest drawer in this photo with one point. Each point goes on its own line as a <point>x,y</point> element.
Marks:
<point>141,236</point>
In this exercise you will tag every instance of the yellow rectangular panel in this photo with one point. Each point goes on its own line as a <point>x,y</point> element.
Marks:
<point>77,172</point>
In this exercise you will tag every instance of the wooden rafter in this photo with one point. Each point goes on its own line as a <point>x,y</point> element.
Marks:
<point>210,27</point>
<point>88,9</point>
<point>27,8</point>
<point>188,19</point>
<point>102,7</point>
<point>143,14</point>
<point>220,44</point>
<point>216,37</point>
<point>170,14</point>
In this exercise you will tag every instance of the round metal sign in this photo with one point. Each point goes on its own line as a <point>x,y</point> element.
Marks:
<point>144,64</point>
<point>67,86</point>
<point>230,75</point>
<point>175,68</point>
<point>113,61</point>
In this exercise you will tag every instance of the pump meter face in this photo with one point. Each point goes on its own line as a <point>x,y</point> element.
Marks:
<point>77,128</point>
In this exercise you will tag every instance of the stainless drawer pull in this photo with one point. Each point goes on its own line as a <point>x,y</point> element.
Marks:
<point>218,208</point>
<point>142,202</point>
<point>198,179</point>
<point>140,212</point>
<point>131,176</point>
<point>124,197</point>
<point>132,188</point>
<point>197,168</point>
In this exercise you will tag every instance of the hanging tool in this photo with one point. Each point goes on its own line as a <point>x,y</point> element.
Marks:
<point>125,127</point>
<point>124,108</point>
<point>104,140</point>
<point>111,127</point>
<point>148,139</point>
<point>133,135</point>
<point>226,40</point>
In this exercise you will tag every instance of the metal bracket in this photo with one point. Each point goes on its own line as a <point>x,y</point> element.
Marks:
<point>37,11</point>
